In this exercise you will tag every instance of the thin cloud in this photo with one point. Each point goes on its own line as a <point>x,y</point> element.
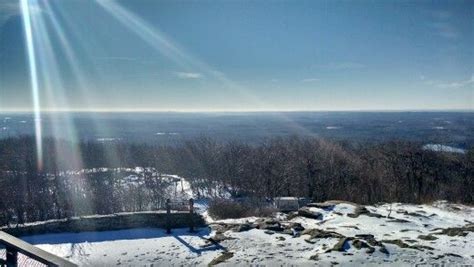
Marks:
<point>7,10</point>
<point>127,60</point>
<point>445,29</point>
<point>119,58</point>
<point>441,25</point>
<point>188,75</point>
<point>11,8</point>
<point>341,66</point>
<point>309,80</point>
<point>457,84</point>
<point>449,85</point>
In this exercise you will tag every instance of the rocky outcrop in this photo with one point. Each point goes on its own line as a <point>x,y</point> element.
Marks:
<point>306,212</point>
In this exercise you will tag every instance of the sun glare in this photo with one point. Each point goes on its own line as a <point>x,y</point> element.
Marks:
<point>25,10</point>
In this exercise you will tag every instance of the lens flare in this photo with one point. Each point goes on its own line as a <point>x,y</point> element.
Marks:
<point>26,16</point>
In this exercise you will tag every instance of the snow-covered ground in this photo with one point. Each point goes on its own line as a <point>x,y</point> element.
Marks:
<point>413,234</point>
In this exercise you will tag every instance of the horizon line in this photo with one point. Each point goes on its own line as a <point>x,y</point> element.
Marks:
<point>232,111</point>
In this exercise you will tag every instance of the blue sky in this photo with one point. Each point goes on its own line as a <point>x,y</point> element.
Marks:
<point>240,55</point>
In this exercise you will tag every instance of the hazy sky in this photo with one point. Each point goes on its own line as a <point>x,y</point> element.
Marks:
<point>240,55</point>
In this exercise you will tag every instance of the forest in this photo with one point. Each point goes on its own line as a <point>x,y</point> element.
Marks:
<point>69,184</point>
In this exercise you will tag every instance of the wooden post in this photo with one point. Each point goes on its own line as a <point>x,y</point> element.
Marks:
<point>168,216</point>
<point>191,215</point>
<point>12,257</point>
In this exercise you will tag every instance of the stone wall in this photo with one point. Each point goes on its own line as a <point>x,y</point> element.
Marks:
<point>118,221</point>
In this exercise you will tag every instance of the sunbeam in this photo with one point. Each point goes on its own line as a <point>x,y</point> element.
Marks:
<point>26,16</point>
<point>166,46</point>
<point>79,75</point>
<point>169,48</point>
<point>46,74</point>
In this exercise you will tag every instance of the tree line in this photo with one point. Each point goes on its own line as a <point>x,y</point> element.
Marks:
<point>314,168</point>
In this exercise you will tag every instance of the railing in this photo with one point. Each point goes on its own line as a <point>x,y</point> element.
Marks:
<point>14,246</point>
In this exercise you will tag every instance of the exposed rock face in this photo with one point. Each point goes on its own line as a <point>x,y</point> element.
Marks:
<point>296,226</point>
<point>456,231</point>
<point>361,210</point>
<point>322,205</point>
<point>243,227</point>
<point>402,244</point>
<point>340,246</point>
<point>269,224</point>
<point>221,258</point>
<point>427,237</point>
<point>319,233</point>
<point>306,212</point>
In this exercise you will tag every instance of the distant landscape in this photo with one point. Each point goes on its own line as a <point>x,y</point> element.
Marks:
<point>448,128</point>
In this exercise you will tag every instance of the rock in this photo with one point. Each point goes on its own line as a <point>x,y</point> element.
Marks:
<point>370,250</point>
<point>318,233</point>
<point>323,205</point>
<point>421,247</point>
<point>396,220</point>
<point>269,232</point>
<point>370,239</point>
<point>280,238</point>
<point>384,250</point>
<point>361,210</point>
<point>402,244</point>
<point>287,232</point>
<point>221,258</point>
<point>397,242</point>
<point>375,215</point>
<point>457,231</point>
<point>358,244</point>
<point>340,246</point>
<point>453,255</point>
<point>217,238</point>
<point>270,224</point>
<point>242,227</point>
<point>314,257</point>
<point>350,226</point>
<point>296,226</point>
<point>306,212</point>
<point>292,215</point>
<point>274,227</point>
<point>427,237</point>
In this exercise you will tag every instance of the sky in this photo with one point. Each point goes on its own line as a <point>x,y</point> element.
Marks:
<point>164,55</point>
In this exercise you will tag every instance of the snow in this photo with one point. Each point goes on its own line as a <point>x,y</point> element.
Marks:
<point>443,148</point>
<point>167,133</point>
<point>148,246</point>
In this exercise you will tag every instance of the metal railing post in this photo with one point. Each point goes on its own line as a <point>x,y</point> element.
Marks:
<point>191,215</point>
<point>12,257</point>
<point>168,216</point>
